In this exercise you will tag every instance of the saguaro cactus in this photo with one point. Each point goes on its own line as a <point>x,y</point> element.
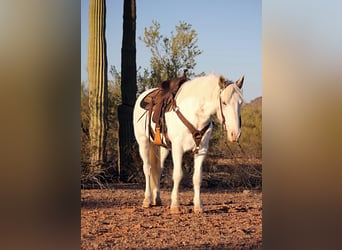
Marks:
<point>128,86</point>
<point>98,85</point>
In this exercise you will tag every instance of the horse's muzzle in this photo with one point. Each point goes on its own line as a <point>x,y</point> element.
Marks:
<point>233,136</point>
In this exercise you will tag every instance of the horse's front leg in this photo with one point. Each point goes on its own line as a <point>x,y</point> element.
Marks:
<point>197,181</point>
<point>177,155</point>
<point>197,177</point>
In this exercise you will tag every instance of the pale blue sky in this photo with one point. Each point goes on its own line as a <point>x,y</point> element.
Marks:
<point>229,34</point>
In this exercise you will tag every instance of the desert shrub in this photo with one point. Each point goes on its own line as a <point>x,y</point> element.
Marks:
<point>250,140</point>
<point>109,170</point>
<point>251,137</point>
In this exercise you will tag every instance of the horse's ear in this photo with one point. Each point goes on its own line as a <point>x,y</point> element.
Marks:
<point>222,82</point>
<point>239,82</point>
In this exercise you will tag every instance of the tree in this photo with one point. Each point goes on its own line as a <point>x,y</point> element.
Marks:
<point>128,87</point>
<point>98,86</point>
<point>169,55</point>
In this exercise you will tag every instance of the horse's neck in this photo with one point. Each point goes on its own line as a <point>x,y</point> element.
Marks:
<point>199,101</point>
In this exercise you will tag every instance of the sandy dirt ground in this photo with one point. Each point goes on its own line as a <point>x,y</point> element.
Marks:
<point>113,218</point>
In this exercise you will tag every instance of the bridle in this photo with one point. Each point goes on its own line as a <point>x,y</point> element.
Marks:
<point>224,126</point>
<point>226,83</point>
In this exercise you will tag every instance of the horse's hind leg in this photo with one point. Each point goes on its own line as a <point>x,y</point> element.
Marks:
<point>144,150</point>
<point>157,164</point>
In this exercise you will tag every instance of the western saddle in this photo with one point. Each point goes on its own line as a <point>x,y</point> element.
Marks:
<point>160,101</point>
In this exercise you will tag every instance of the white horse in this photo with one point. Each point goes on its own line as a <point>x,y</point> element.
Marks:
<point>197,100</point>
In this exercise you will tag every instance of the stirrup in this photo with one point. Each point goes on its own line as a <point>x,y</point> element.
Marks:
<point>157,138</point>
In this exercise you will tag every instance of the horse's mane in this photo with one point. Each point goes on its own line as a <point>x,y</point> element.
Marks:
<point>199,86</point>
<point>207,85</point>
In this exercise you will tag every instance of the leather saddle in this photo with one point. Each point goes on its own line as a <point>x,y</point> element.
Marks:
<point>160,101</point>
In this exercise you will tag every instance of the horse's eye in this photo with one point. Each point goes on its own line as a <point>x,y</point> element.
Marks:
<point>224,103</point>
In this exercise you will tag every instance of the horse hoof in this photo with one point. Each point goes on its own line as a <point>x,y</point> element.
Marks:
<point>198,210</point>
<point>157,202</point>
<point>146,204</point>
<point>175,210</point>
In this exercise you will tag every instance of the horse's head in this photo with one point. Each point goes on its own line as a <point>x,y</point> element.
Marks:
<point>228,110</point>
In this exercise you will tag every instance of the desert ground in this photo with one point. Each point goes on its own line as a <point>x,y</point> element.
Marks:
<point>113,218</point>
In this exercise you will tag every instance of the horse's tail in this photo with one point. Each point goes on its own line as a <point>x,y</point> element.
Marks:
<point>155,166</point>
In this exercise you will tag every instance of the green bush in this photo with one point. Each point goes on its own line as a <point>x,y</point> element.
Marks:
<point>250,140</point>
